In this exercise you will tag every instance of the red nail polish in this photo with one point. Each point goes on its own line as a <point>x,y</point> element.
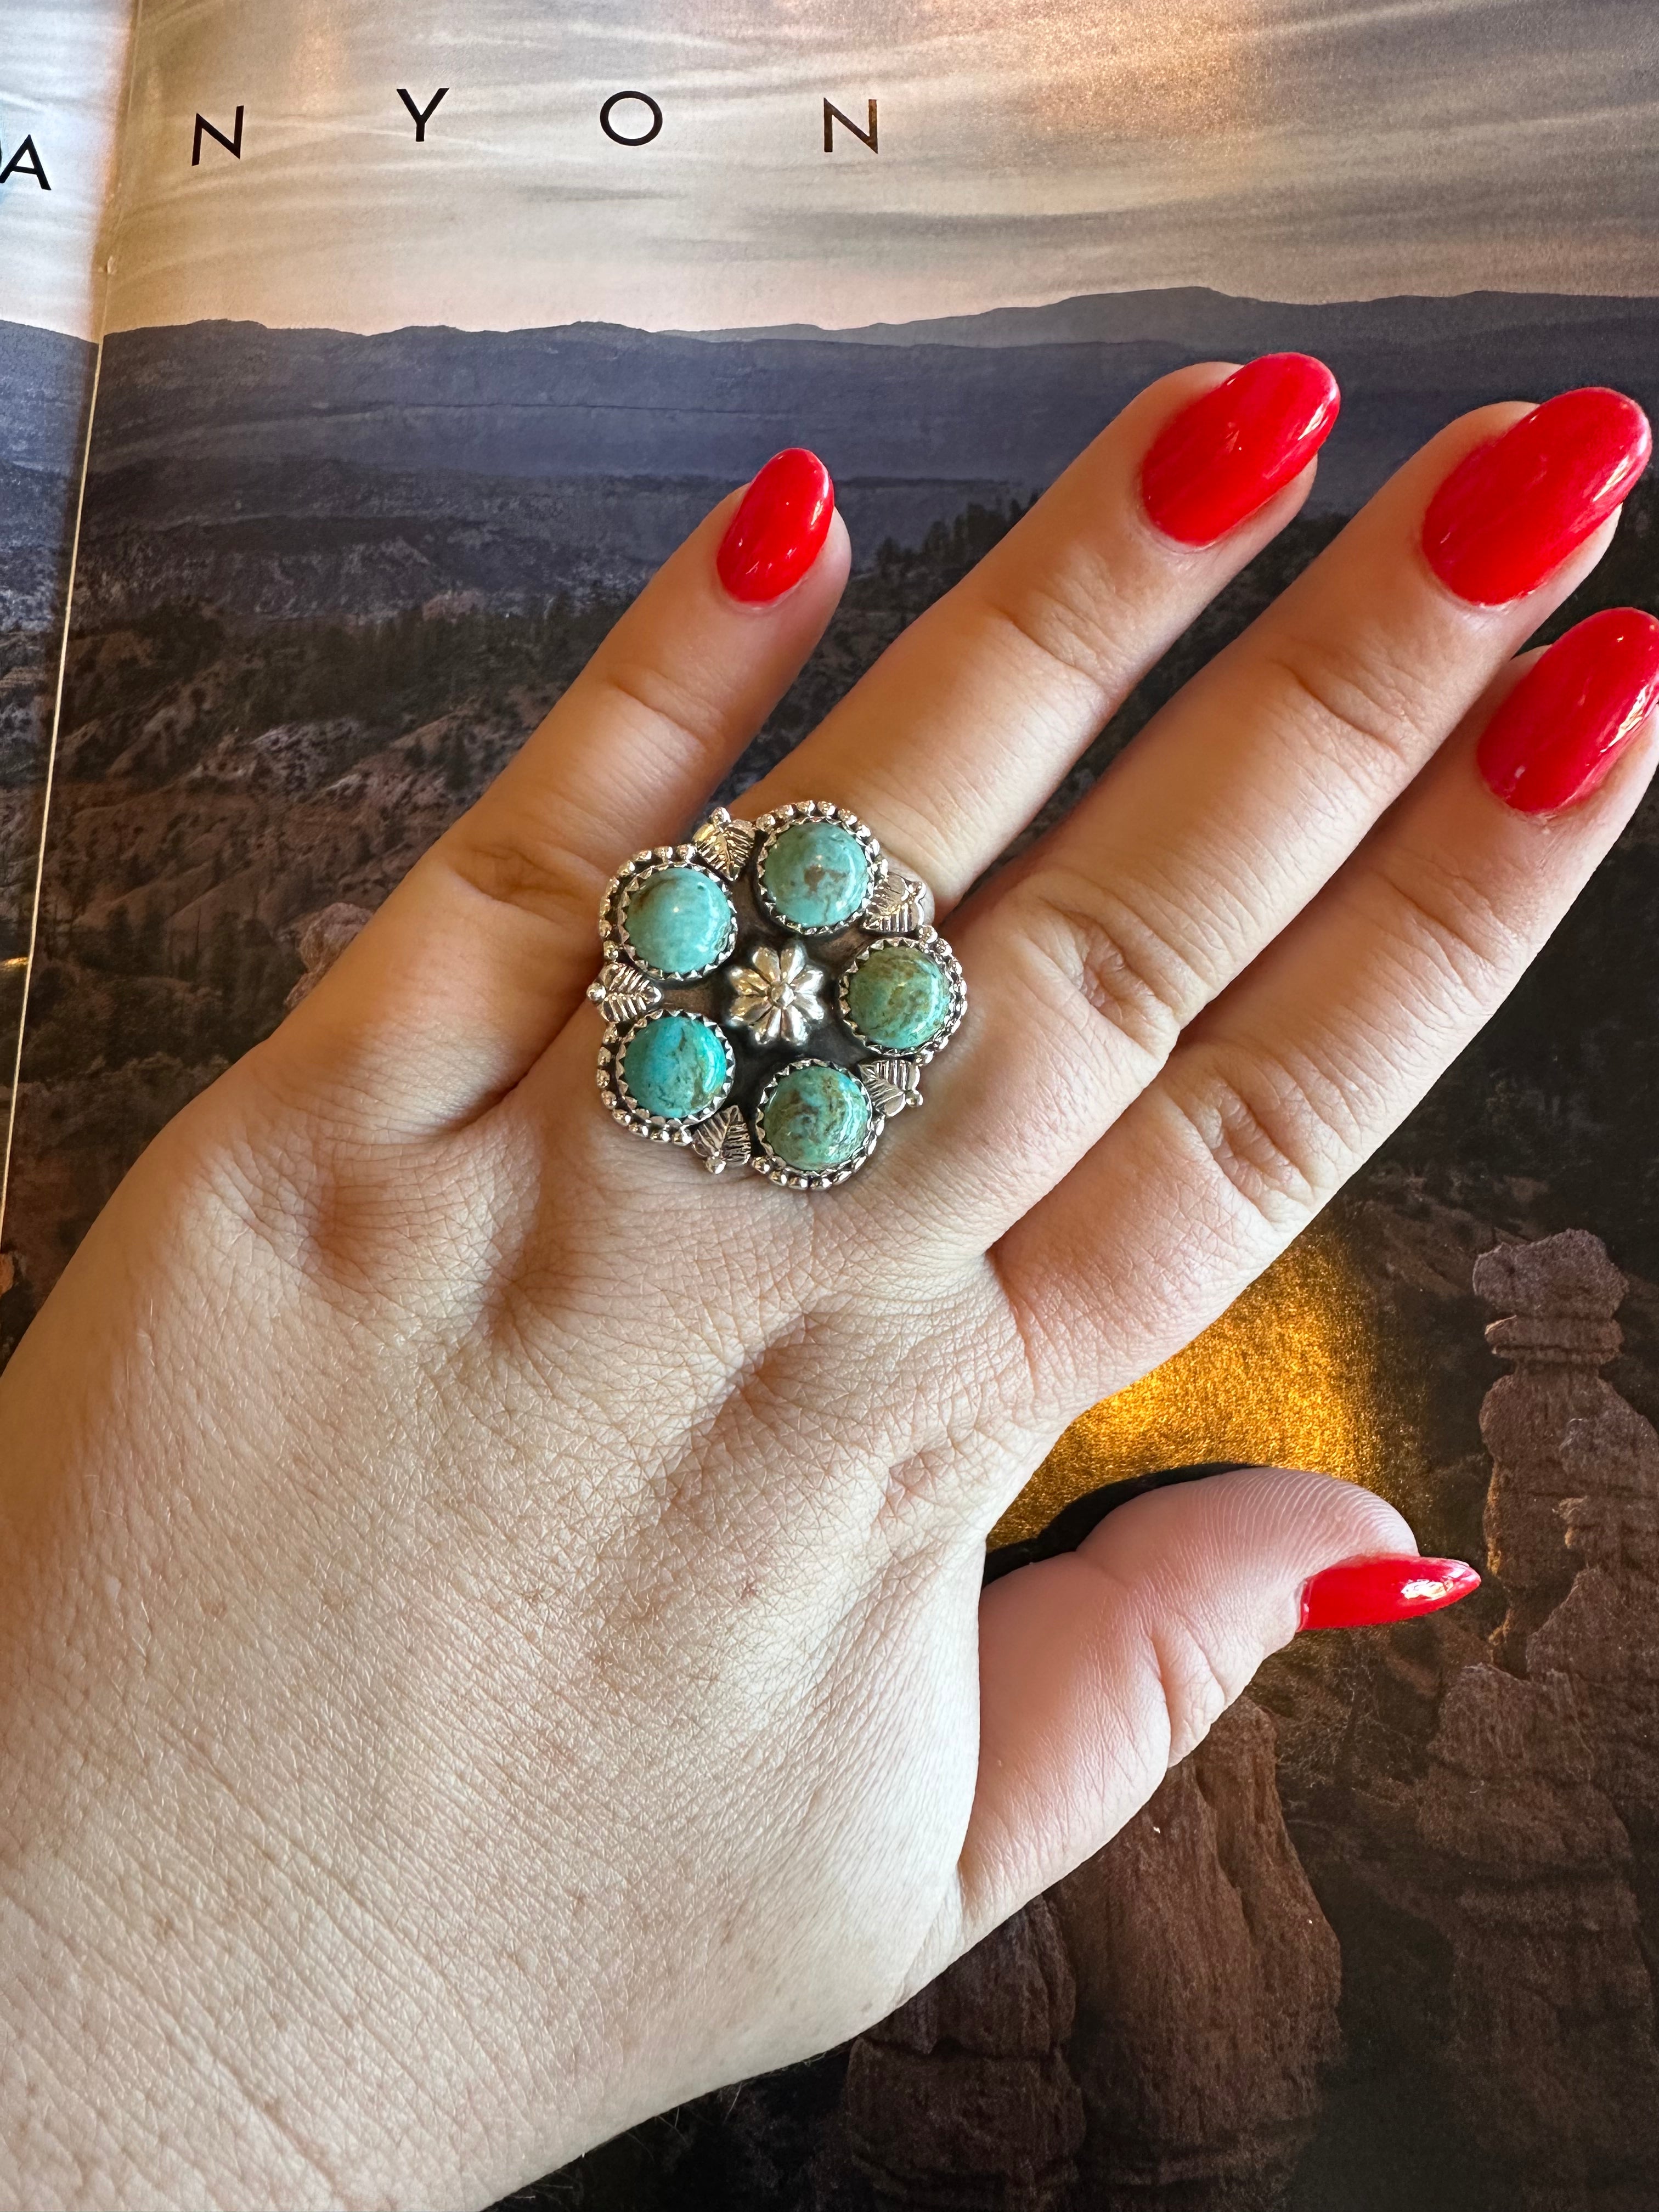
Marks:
<point>1510,511</point>
<point>1571,715</point>
<point>1365,1593</point>
<point>1227,453</point>
<point>778,532</point>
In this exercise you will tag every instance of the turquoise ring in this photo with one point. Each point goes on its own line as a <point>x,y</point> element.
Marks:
<point>771,991</point>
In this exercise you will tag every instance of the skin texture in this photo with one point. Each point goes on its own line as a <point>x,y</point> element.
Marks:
<point>491,1637</point>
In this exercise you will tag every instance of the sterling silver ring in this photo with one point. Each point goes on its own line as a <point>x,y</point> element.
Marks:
<point>771,992</point>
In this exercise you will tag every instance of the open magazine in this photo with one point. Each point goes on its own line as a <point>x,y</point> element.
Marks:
<point>358,362</point>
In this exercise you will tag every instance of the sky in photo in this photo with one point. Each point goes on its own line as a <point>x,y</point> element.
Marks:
<point>62,74</point>
<point>1029,149</point>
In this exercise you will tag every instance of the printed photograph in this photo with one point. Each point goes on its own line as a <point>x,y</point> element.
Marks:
<point>61,80</point>
<point>401,400</point>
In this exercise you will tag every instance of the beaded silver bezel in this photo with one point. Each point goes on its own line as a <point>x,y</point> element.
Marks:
<point>639,871</point>
<point>927,940</point>
<point>661,1128</point>
<point>768,827</point>
<point>775,1167</point>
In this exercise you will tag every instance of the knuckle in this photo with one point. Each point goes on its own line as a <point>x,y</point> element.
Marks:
<point>1071,633</point>
<point>1358,706</point>
<point>663,707</point>
<point>1280,1141</point>
<point>512,859</point>
<point>1106,960</point>
<point>508,848</point>
<point>1195,1687</point>
<point>1449,919</point>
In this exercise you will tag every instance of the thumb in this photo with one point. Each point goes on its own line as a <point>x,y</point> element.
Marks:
<point>1100,1670</point>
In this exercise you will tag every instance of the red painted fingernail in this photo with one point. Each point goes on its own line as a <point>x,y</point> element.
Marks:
<point>1511,511</point>
<point>1365,1593</point>
<point>778,532</point>
<point>1226,454</point>
<point>1571,715</point>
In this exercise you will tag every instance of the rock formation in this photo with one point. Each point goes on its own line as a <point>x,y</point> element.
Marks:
<point>1207,1987</point>
<point>324,937</point>
<point>1556,1422</point>
<point>1206,1992</point>
<point>962,2100</point>
<point>1544,1765</point>
<point>1604,1635</point>
<point>1549,2057</point>
<point>1555,1301</point>
<point>1479,1819</point>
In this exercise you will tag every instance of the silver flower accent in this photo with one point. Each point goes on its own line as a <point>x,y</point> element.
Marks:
<point>776,997</point>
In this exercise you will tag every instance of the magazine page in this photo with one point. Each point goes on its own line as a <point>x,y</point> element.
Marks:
<point>431,332</point>
<point>63,75</point>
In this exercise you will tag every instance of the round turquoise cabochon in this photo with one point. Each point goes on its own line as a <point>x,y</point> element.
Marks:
<point>679,922</point>
<point>815,874</point>
<point>677,1064</point>
<point>817,1117</point>
<point>899,998</point>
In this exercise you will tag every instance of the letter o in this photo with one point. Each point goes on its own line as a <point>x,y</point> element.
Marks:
<point>610,128</point>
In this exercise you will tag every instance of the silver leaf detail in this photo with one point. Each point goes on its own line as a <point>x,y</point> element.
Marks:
<point>899,905</point>
<point>722,1141</point>
<point>622,994</point>
<point>893,1085</point>
<point>726,844</point>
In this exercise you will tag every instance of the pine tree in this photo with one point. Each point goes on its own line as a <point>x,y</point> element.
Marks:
<point>149,946</point>
<point>117,946</point>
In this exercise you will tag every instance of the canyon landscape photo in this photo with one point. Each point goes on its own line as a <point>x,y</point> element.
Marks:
<point>1390,1936</point>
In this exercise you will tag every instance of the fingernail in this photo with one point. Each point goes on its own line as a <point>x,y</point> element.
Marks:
<point>1510,511</point>
<point>1365,1593</point>
<point>778,532</point>
<point>1227,453</point>
<point>1574,711</point>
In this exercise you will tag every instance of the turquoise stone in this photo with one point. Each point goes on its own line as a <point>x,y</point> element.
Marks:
<point>817,1118</point>
<point>900,998</point>
<point>679,922</point>
<point>815,874</point>
<point>677,1066</point>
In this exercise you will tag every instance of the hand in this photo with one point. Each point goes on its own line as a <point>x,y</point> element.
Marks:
<point>493,1632</point>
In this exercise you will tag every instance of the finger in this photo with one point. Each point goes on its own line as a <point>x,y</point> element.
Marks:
<point>1100,1670</point>
<point>1296,1074</point>
<point>484,949</point>
<point>1236,804</point>
<point>967,723</point>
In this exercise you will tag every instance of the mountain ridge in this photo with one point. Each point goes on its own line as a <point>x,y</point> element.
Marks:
<point>1199,312</point>
<point>45,379</point>
<point>1010,395</point>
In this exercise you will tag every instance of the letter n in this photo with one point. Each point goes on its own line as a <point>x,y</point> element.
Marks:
<point>204,129</point>
<point>833,116</point>
<point>27,159</point>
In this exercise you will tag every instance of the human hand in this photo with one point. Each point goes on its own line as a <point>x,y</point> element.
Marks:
<point>493,1637</point>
